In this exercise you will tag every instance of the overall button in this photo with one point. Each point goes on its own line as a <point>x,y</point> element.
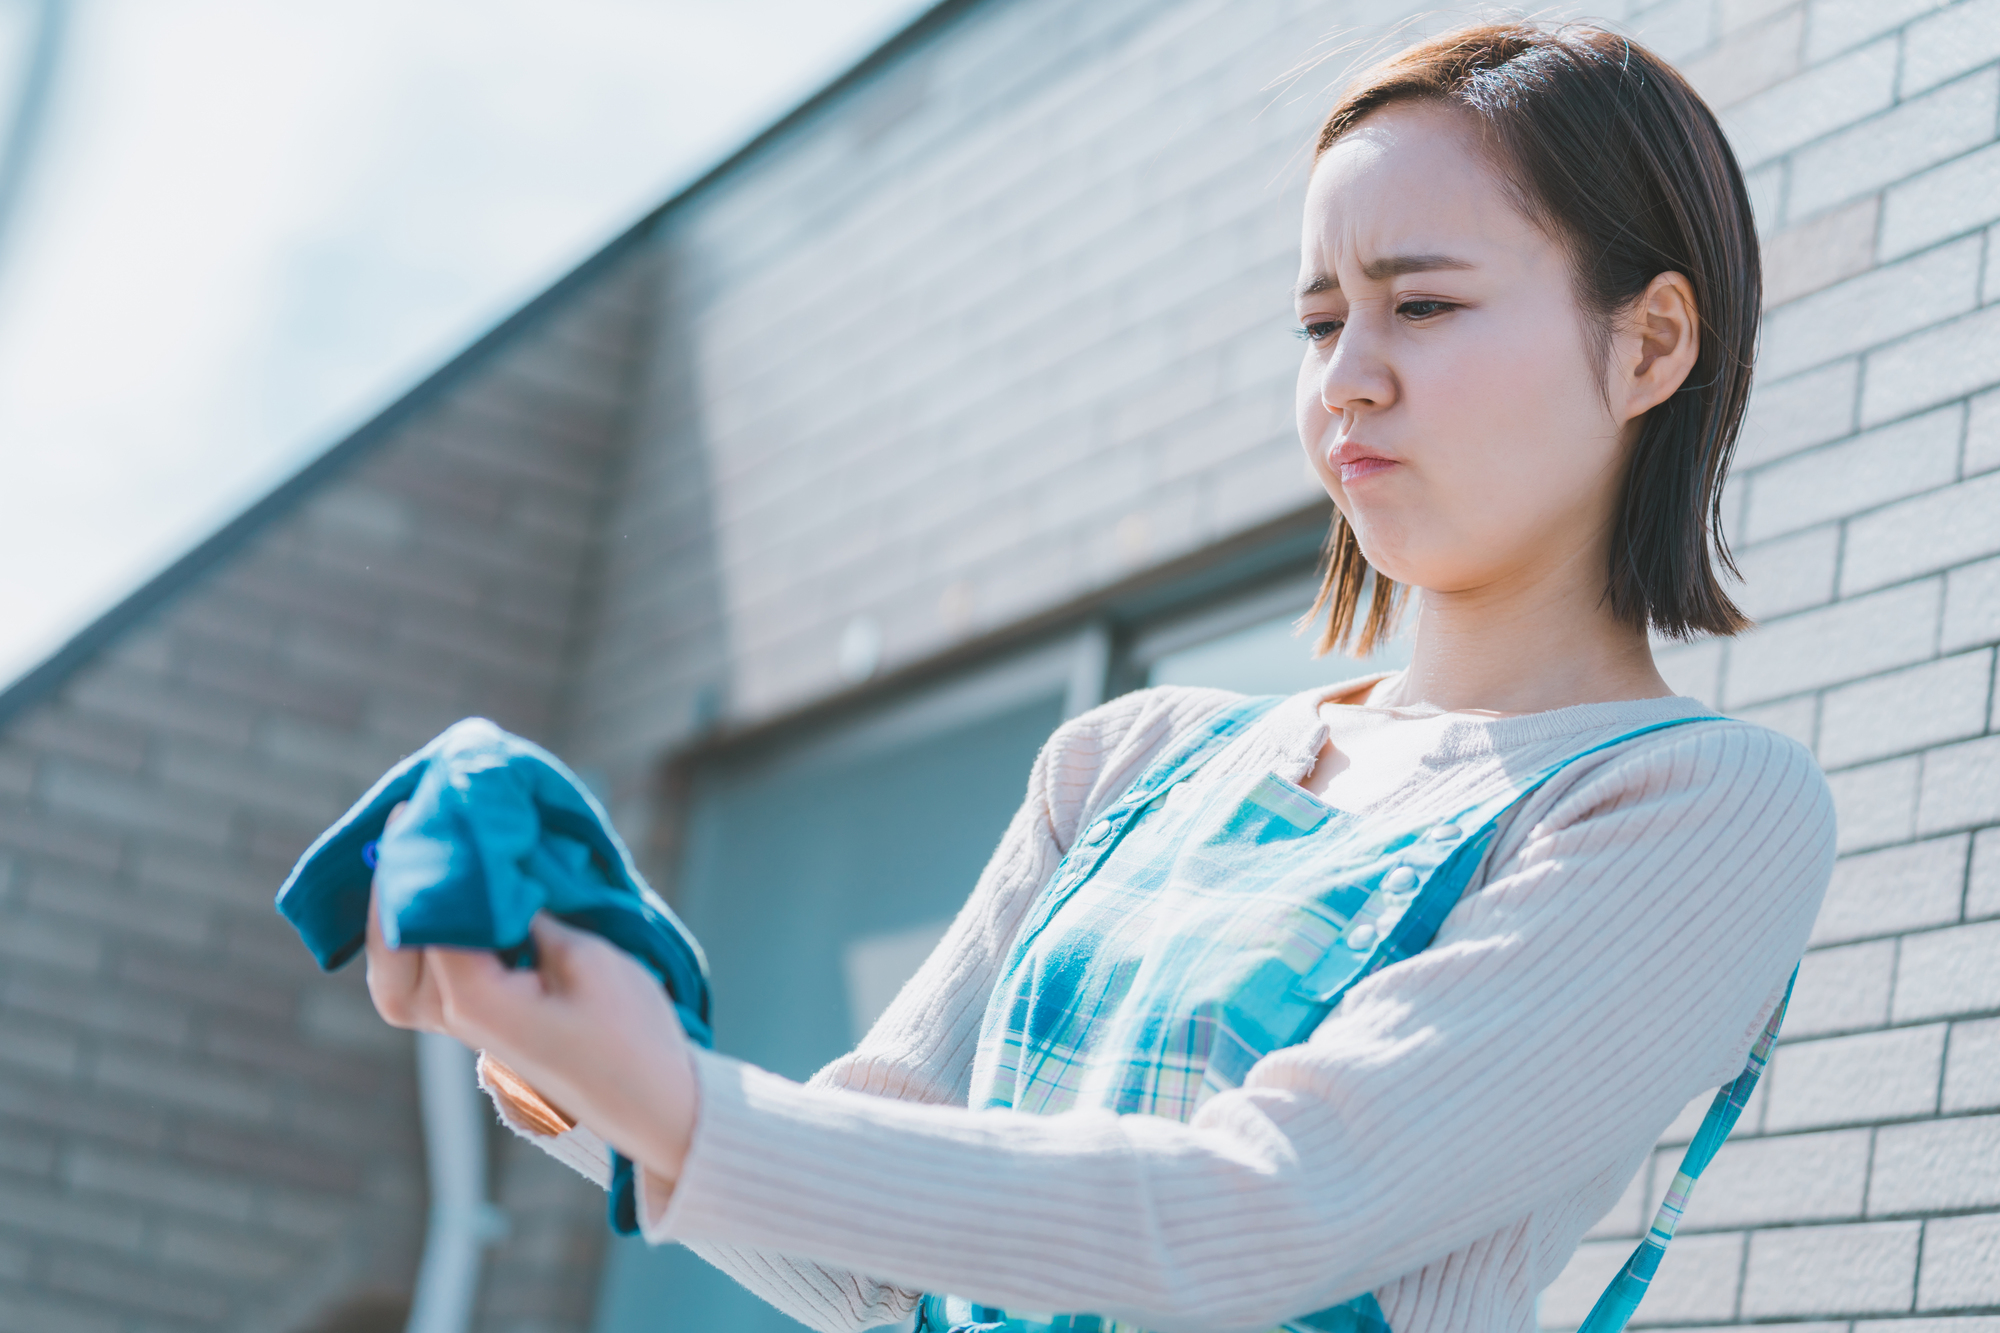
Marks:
<point>1361,937</point>
<point>1400,880</point>
<point>1447,833</point>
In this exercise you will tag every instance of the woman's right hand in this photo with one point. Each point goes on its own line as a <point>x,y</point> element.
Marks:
<point>404,992</point>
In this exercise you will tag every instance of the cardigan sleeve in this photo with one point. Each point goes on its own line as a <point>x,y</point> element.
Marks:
<point>920,1050</point>
<point>1633,931</point>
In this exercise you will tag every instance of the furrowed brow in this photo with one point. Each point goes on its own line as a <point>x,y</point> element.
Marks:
<point>1390,266</point>
<point>1395,266</point>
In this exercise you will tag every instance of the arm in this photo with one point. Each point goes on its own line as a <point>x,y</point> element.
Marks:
<point>1638,925</point>
<point>920,1050</point>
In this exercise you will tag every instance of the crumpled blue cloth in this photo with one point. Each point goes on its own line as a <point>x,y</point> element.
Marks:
<point>497,829</point>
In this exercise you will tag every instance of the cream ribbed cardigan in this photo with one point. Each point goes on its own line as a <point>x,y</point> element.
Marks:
<point>1444,1139</point>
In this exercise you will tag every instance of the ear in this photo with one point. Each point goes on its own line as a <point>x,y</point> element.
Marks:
<point>1656,347</point>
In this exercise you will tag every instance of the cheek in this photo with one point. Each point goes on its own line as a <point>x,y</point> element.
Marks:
<point>1515,443</point>
<point>1310,413</point>
<point>1511,408</point>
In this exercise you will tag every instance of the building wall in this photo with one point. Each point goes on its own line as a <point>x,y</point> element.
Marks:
<point>1866,512</point>
<point>1004,325</point>
<point>197,1129</point>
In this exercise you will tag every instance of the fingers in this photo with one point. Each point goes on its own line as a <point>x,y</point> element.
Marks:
<point>481,1000</point>
<point>396,981</point>
<point>395,976</point>
<point>585,968</point>
<point>565,956</point>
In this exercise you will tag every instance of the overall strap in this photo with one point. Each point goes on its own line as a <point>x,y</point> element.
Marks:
<point>1636,732</point>
<point>1095,841</point>
<point>1615,1307</point>
<point>1414,889</point>
<point>1194,749</point>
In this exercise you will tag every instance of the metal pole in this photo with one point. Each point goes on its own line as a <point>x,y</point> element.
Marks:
<point>462,1221</point>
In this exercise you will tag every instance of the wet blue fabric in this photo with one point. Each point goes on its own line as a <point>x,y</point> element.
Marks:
<point>497,830</point>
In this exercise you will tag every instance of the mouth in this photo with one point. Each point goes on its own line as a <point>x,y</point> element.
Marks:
<point>1354,462</point>
<point>1363,467</point>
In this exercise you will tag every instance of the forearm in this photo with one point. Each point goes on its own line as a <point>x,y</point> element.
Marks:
<point>823,1298</point>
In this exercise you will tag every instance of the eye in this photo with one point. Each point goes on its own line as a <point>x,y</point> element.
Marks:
<point>1318,331</point>
<point>1421,310</point>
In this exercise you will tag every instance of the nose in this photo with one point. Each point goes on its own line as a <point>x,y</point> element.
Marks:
<point>1357,376</point>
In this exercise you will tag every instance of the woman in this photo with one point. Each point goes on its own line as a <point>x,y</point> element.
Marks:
<point>1528,296</point>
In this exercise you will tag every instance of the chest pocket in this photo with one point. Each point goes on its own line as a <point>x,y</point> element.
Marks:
<point>1177,964</point>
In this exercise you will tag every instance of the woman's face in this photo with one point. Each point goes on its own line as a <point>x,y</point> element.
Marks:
<point>1448,401</point>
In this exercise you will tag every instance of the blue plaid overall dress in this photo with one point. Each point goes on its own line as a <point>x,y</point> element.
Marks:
<point>1196,927</point>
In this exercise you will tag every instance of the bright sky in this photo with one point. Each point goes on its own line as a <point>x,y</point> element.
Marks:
<point>251,223</point>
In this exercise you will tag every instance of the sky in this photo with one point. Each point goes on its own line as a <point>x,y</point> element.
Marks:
<point>250,224</point>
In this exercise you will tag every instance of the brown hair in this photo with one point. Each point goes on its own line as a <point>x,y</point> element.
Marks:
<point>1610,151</point>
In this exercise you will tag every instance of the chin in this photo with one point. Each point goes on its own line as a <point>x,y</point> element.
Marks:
<point>1397,558</point>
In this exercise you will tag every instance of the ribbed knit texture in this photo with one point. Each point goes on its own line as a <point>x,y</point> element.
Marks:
<point>1444,1139</point>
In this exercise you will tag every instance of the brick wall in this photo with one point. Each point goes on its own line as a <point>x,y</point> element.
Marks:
<point>1865,1182</point>
<point>197,1129</point>
<point>1007,323</point>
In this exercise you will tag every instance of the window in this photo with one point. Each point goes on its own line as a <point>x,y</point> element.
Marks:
<point>1248,643</point>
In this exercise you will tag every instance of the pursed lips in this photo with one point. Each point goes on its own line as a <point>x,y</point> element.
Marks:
<point>1353,462</point>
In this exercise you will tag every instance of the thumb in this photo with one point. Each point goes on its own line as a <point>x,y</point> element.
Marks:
<point>562,952</point>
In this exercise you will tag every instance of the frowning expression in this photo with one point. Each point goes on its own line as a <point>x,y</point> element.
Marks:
<point>1450,399</point>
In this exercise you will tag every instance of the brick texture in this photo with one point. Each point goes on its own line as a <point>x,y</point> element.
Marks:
<point>1867,179</point>
<point>202,1131</point>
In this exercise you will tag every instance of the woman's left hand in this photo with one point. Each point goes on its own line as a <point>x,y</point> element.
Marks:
<point>590,1028</point>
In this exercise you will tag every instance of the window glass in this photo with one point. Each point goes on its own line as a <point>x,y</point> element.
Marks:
<point>1268,658</point>
<point>1249,643</point>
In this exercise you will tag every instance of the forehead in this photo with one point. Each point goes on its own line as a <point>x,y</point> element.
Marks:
<point>1411,177</point>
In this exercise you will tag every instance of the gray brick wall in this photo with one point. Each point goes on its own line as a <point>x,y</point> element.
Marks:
<point>1865,1186</point>
<point>197,1129</point>
<point>932,373</point>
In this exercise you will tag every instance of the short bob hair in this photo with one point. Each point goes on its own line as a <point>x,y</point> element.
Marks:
<point>1611,152</point>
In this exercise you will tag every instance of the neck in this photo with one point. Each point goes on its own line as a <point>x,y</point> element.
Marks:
<point>1551,644</point>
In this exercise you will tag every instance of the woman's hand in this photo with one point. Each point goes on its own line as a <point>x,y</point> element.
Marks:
<point>403,989</point>
<point>588,1027</point>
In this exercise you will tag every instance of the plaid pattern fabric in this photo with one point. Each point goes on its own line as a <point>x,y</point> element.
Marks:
<point>1197,926</point>
<point>1225,923</point>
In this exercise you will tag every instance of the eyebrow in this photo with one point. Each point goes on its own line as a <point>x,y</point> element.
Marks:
<point>1391,266</point>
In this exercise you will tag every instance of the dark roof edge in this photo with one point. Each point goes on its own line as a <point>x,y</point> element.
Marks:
<point>42,680</point>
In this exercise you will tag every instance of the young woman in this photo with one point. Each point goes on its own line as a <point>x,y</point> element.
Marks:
<point>1190,1057</point>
